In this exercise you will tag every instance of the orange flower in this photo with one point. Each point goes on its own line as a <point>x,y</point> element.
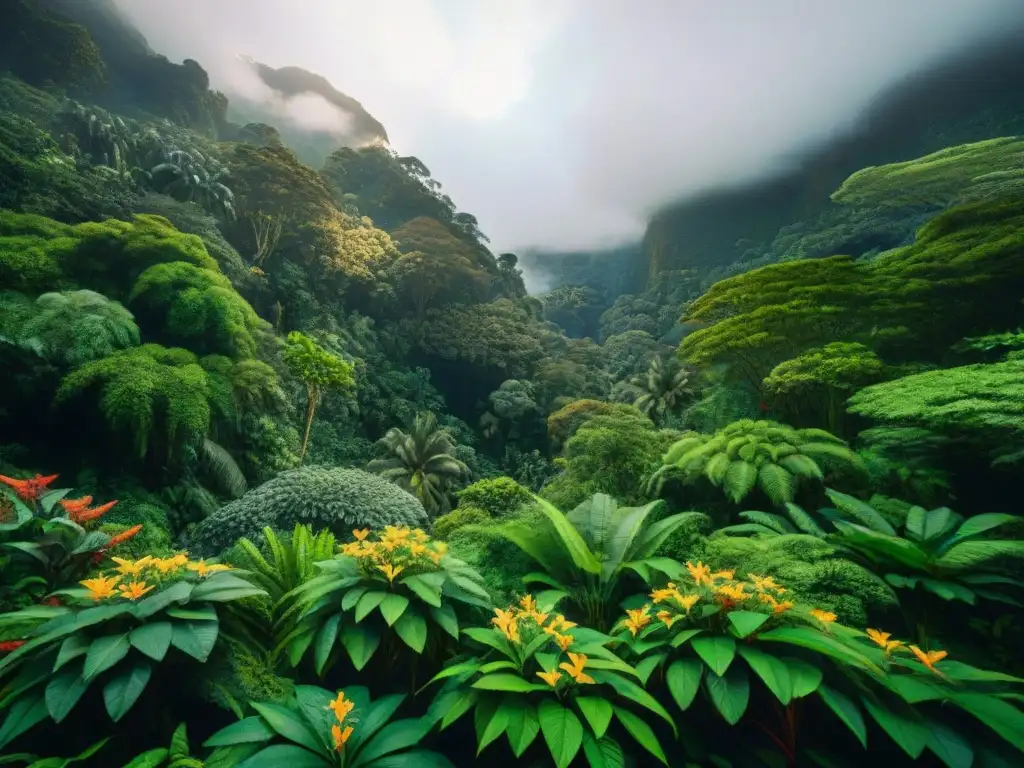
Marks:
<point>638,619</point>
<point>688,601</point>
<point>930,658</point>
<point>31,489</point>
<point>390,571</point>
<point>121,538</point>
<point>340,736</point>
<point>361,533</point>
<point>882,640</point>
<point>575,668</point>
<point>135,590</point>
<point>730,594</point>
<point>341,706</point>
<point>667,618</point>
<point>85,515</point>
<point>74,506</point>
<point>699,572</point>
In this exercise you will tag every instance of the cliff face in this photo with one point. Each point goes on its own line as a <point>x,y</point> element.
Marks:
<point>977,96</point>
<point>352,125</point>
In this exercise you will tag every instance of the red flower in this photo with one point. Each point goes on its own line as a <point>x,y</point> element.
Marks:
<point>31,489</point>
<point>51,601</point>
<point>121,538</point>
<point>11,645</point>
<point>85,515</point>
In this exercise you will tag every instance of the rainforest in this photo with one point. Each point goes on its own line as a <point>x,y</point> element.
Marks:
<point>296,471</point>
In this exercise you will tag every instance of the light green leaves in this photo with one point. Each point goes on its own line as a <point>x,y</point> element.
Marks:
<point>562,731</point>
<point>717,652</point>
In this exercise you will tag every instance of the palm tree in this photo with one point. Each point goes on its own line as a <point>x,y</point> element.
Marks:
<point>662,389</point>
<point>422,462</point>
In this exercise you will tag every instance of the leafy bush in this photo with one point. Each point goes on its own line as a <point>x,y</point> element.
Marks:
<point>582,682</point>
<point>446,525</point>
<point>498,496</point>
<point>324,497</point>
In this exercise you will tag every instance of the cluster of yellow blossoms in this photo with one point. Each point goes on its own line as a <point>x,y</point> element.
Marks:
<point>104,587</point>
<point>509,621</point>
<point>341,708</point>
<point>714,587</point>
<point>928,658</point>
<point>397,549</point>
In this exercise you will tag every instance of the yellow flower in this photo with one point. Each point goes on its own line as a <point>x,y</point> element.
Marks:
<point>575,669</point>
<point>528,604</point>
<point>389,544</point>
<point>688,601</point>
<point>100,587</point>
<point>929,658</point>
<point>732,593</point>
<point>398,534</point>
<point>341,706</point>
<point>667,618</point>
<point>135,590</point>
<point>761,583</point>
<point>700,573</point>
<point>727,575</point>
<point>882,640</point>
<point>661,595</point>
<point>361,533</point>
<point>417,549</point>
<point>129,568</point>
<point>204,569</point>
<point>551,678</point>
<point>390,570</point>
<point>352,549</point>
<point>419,534</point>
<point>560,622</point>
<point>564,641</point>
<point>340,736</point>
<point>506,622</point>
<point>825,617</point>
<point>167,564</point>
<point>638,619</point>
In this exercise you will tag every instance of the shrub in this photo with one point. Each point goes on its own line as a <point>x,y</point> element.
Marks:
<point>324,497</point>
<point>497,496</point>
<point>446,525</point>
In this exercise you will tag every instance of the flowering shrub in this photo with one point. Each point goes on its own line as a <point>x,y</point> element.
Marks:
<point>319,728</point>
<point>550,676</point>
<point>715,632</point>
<point>396,581</point>
<point>115,627</point>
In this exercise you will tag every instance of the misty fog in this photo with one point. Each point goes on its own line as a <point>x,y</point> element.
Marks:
<point>564,123</point>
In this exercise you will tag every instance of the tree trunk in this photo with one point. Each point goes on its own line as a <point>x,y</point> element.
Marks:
<point>311,399</point>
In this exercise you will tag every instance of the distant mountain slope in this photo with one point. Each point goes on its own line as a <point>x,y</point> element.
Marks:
<point>975,96</point>
<point>315,135</point>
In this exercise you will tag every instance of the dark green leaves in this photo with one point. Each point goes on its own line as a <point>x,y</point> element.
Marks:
<point>152,639</point>
<point>63,692</point>
<point>683,678</point>
<point>772,671</point>
<point>562,731</point>
<point>360,641</point>
<point>729,693</point>
<point>104,653</point>
<point>124,690</point>
<point>717,652</point>
<point>746,622</point>
<point>196,638</point>
<point>597,712</point>
<point>412,628</point>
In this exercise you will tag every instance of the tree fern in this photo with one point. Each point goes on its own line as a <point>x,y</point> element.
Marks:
<point>763,454</point>
<point>222,468</point>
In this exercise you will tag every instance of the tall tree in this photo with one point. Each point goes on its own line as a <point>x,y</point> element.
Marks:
<point>319,370</point>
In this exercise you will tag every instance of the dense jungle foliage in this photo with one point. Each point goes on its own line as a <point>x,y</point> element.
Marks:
<point>293,471</point>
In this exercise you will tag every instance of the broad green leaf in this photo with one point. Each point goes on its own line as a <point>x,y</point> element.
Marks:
<point>360,642</point>
<point>633,692</point>
<point>153,758</point>
<point>597,712</point>
<point>393,606</point>
<point>646,666</point>
<point>455,669</point>
<point>746,622</point>
<point>104,653</point>
<point>902,723</point>
<point>426,586</point>
<point>562,730</point>
<point>641,732</point>
<point>23,714</point>
<point>804,677</point>
<point>523,724</point>
<point>949,746</point>
<point>72,647</point>
<point>348,602</point>
<point>847,711</point>
<point>603,753</point>
<point>179,742</point>
<point>503,681</point>
<point>547,599</point>
<point>63,692</point>
<point>325,640</point>
<point>460,706</point>
<point>490,721</point>
<point>979,524</point>
<point>535,577</point>
<point>152,639</point>
<point>251,729</point>
<point>863,513</point>
<point>815,640</point>
<point>288,724</point>
<point>772,671</point>
<point>412,628</point>
<point>393,737</point>
<point>729,693</point>
<point>121,693</point>
<point>368,602</point>
<point>446,619</point>
<point>222,587</point>
<point>281,755</point>
<point>684,636</point>
<point>196,638</point>
<point>969,555</point>
<point>716,651</point>
<point>510,708</point>
<point>1003,718</point>
<point>570,538</point>
<point>178,592</point>
<point>683,678</point>
<point>490,637</point>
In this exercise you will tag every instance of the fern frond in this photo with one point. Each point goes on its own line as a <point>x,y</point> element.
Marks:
<point>777,482</point>
<point>863,513</point>
<point>768,520</point>
<point>804,521</point>
<point>223,469</point>
<point>739,480</point>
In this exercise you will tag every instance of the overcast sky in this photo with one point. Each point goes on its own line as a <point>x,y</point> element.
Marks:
<point>565,123</point>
